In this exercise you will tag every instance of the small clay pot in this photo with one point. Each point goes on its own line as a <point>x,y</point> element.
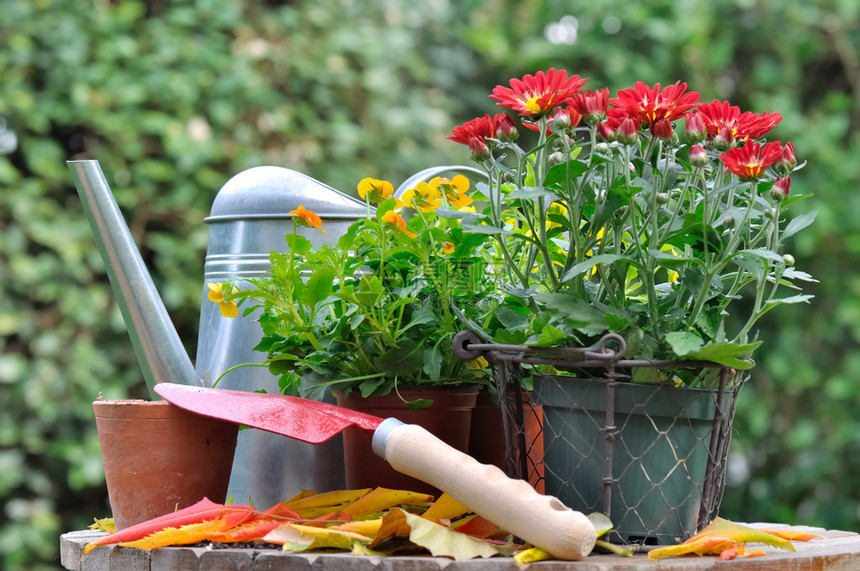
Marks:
<point>159,458</point>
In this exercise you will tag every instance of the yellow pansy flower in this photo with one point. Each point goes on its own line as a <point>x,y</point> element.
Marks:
<point>423,197</point>
<point>216,295</point>
<point>376,191</point>
<point>453,189</point>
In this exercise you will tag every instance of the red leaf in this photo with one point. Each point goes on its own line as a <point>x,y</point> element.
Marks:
<point>204,510</point>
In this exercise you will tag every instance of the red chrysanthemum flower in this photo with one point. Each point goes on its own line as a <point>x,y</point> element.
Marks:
<point>591,105</point>
<point>481,128</point>
<point>721,117</point>
<point>652,106</point>
<point>750,161</point>
<point>540,94</point>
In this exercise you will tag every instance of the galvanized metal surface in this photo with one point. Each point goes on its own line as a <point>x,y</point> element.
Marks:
<point>157,345</point>
<point>249,218</point>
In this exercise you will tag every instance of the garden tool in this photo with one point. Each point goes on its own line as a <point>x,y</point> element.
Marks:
<point>513,505</point>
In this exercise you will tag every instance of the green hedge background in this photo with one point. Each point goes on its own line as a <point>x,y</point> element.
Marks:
<point>173,98</point>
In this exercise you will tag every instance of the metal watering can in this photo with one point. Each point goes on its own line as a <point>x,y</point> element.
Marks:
<point>249,218</point>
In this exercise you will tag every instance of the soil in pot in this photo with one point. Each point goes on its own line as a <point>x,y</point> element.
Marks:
<point>159,458</point>
<point>449,418</point>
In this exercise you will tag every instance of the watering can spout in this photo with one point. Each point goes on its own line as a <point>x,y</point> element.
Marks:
<point>159,350</point>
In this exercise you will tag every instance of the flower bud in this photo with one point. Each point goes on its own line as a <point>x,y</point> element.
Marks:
<point>560,122</point>
<point>556,158</point>
<point>602,148</point>
<point>724,140</point>
<point>628,132</point>
<point>506,131</point>
<point>662,198</point>
<point>662,129</point>
<point>695,128</point>
<point>787,161</point>
<point>479,148</point>
<point>788,259</point>
<point>729,221</point>
<point>604,132</point>
<point>779,191</point>
<point>698,156</point>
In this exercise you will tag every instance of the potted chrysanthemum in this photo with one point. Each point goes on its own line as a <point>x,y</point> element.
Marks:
<point>653,216</point>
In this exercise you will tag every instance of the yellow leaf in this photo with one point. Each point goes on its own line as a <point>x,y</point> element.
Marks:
<point>382,499</point>
<point>718,536</point>
<point>532,555</point>
<point>302,538</point>
<point>364,526</point>
<point>441,541</point>
<point>105,524</point>
<point>445,507</point>
<point>327,499</point>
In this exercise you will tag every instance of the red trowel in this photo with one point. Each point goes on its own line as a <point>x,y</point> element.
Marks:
<point>513,505</point>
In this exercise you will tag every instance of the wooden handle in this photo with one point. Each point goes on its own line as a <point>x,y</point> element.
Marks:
<point>513,505</point>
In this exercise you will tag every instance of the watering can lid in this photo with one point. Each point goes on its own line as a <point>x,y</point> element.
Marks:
<point>272,192</point>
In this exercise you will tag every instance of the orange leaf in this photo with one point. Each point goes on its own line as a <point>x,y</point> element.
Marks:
<point>247,532</point>
<point>476,526</point>
<point>184,535</point>
<point>792,535</point>
<point>394,524</point>
<point>730,553</point>
<point>204,510</point>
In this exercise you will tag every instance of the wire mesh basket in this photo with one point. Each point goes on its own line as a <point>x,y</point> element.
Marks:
<point>652,457</point>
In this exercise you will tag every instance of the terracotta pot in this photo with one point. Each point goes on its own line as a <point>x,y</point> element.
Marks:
<point>449,418</point>
<point>159,458</point>
<point>487,441</point>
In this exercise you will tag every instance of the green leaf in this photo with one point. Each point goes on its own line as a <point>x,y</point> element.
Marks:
<point>584,316</point>
<point>402,360</point>
<point>319,286</point>
<point>298,244</point>
<point>725,353</point>
<point>684,342</point>
<point>558,174</point>
<point>432,362</point>
<point>799,223</point>
<point>370,290</point>
<point>532,193</point>
<point>550,336</point>
<point>585,266</point>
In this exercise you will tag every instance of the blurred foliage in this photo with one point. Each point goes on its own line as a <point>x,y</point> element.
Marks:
<point>175,97</point>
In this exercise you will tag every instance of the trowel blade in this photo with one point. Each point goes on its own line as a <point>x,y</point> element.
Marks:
<point>302,419</point>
